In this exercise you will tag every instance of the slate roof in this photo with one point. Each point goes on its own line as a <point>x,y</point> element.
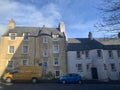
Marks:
<point>34,31</point>
<point>77,44</point>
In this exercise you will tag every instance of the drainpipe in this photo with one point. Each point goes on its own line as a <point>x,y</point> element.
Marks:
<point>34,49</point>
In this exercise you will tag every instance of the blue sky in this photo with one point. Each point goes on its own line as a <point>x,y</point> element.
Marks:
<point>79,16</point>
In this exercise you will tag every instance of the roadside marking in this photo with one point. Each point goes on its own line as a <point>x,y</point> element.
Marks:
<point>8,84</point>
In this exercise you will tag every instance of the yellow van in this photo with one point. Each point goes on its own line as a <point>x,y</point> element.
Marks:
<point>33,73</point>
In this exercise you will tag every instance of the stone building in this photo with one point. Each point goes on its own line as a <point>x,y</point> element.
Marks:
<point>34,46</point>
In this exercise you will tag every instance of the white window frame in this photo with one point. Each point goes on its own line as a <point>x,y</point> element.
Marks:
<point>55,51</point>
<point>9,51</point>
<point>23,49</point>
<point>10,34</point>
<point>54,60</point>
<point>26,63</point>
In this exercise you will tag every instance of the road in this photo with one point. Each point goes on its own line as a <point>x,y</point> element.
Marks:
<point>57,86</point>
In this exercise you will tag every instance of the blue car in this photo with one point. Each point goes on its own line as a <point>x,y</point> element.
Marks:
<point>70,78</point>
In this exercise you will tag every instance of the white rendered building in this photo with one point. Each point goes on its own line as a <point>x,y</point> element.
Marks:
<point>94,58</point>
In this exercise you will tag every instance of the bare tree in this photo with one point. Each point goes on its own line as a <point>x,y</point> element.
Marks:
<point>110,16</point>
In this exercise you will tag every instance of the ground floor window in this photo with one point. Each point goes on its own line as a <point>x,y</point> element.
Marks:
<point>10,64</point>
<point>25,62</point>
<point>79,67</point>
<point>57,73</point>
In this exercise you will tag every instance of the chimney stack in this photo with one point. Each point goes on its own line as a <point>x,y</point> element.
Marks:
<point>62,27</point>
<point>11,24</point>
<point>90,36</point>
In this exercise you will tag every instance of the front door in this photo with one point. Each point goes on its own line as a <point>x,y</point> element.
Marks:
<point>94,73</point>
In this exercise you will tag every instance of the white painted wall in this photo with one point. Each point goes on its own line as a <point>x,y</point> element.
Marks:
<point>95,62</point>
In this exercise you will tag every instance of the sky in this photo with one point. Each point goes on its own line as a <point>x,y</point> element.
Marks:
<point>79,16</point>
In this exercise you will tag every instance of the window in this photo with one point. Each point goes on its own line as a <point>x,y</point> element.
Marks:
<point>26,36</point>
<point>87,54</point>
<point>55,36</point>
<point>78,54</point>
<point>113,68</point>
<point>45,64</point>
<point>88,67</point>
<point>45,53</point>
<point>55,49</point>
<point>10,64</point>
<point>56,61</point>
<point>99,53</point>
<point>11,49</point>
<point>12,36</point>
<point>79,67</point>
<point>25,49</point>
<point>118,53</point>
<point>24,62</point>
<point>110,54</point>
<point>105,66</point>
<point>45,40</point>
<point>57,73</point>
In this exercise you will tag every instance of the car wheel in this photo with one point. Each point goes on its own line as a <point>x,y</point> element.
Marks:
<point>8,80</point>
<point>64,82</point>
<point>79,82</point>
<point>34,80</point>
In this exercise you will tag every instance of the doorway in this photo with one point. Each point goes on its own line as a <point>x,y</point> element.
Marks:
<point>94,73</point>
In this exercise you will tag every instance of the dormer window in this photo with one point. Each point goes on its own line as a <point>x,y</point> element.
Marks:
<point>55,36</point>
<point>26,36</point>
<point>12,36</point>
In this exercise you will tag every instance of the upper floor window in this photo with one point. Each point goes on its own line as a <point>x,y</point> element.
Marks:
<point>113,67</point>
<point>25,50</point>
<point>56,49</point>
<point>55,36</point>
<point>110,54</point>
<point>118,53</point>
<point>45,53</point>
<point>26,36</point>
<point>12,36</point>
<point>45,40</point>
<point>78,55</point>
<point>99,53</point>
<point>11,49</point>
<point>56,61</point>
<point>87,54</point>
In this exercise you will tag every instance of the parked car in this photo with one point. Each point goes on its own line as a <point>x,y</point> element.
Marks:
<point>70,78</point>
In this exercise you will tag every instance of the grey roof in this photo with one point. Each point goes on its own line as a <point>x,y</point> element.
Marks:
<point>34,31</point>
<point>77,44</point>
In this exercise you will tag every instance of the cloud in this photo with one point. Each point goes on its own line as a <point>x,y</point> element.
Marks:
<point>28,15</point>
